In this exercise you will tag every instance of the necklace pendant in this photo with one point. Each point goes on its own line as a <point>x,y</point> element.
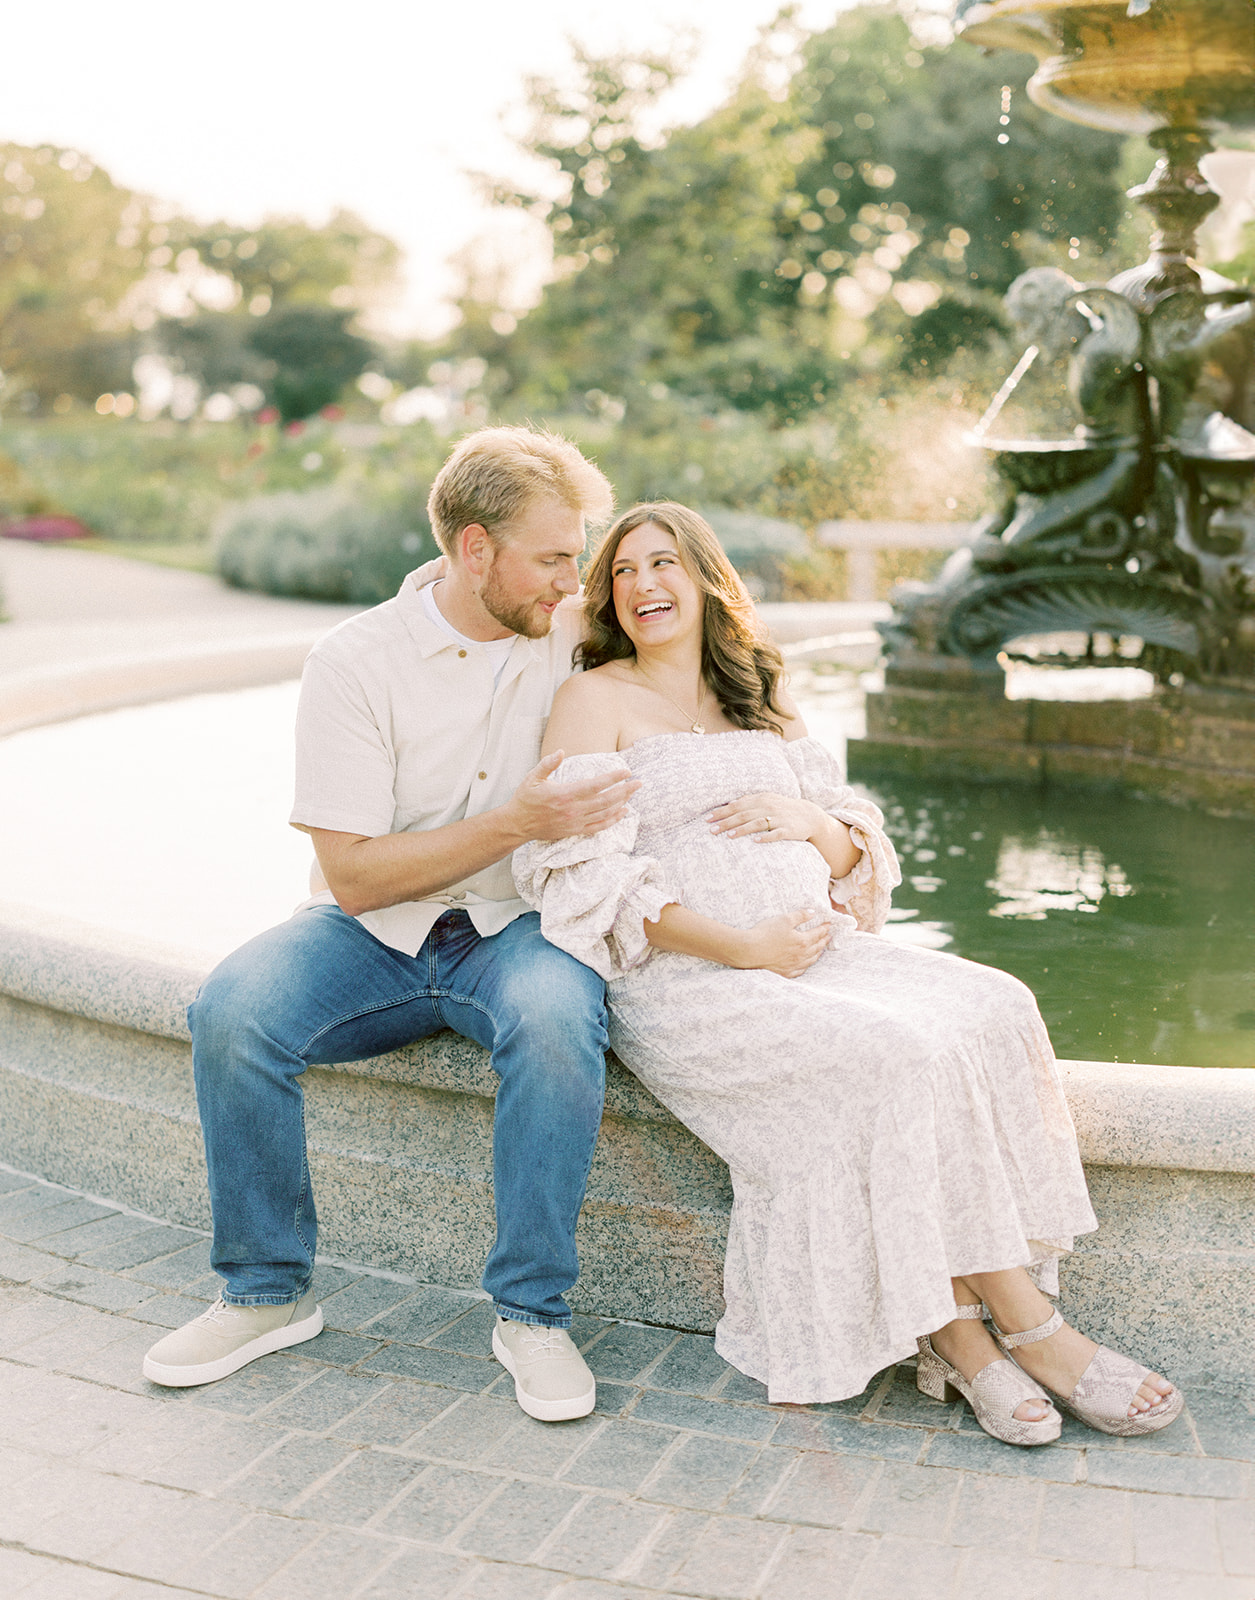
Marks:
<point>698,728</point>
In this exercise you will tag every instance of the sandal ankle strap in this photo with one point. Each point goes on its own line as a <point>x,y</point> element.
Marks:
<point>1012,1341</point>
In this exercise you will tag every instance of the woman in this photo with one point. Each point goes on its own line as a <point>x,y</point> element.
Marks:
<point>901,1152</point>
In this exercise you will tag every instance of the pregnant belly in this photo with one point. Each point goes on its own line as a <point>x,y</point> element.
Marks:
<point>739,882</point>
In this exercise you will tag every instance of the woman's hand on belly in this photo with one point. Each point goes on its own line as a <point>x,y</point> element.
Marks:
<point>783,944</point>
<point>768,818</point>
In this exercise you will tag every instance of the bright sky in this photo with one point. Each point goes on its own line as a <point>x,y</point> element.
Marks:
<point>243,107</point>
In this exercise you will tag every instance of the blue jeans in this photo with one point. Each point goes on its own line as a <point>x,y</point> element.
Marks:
<point>319,989</point>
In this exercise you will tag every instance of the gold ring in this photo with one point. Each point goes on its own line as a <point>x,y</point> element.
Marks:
<point>766,824</point>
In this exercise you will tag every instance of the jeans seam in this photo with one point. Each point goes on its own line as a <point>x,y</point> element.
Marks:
<point>534,1319</point>
<point>366,1011</point>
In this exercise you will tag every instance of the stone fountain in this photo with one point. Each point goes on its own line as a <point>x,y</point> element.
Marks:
<point>1135,530</point>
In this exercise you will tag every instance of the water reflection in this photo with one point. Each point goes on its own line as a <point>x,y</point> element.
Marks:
<point>1131,921</point>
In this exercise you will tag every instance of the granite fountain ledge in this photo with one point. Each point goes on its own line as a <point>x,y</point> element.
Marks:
<point>96,1092</point>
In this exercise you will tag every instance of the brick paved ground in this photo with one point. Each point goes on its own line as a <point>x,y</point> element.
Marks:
<point>385,1460</point>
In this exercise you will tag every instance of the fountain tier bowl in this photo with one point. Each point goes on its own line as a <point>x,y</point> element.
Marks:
<point>1178,63</point>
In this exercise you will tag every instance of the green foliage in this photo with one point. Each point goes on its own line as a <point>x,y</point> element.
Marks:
<point>324,544</point>
<point>761,258</point>
<point>310,355</point>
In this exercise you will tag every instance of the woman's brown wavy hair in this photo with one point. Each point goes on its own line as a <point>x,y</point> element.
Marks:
<point>739,662</point>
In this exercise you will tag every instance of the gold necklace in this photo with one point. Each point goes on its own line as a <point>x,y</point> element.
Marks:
<point>696,725</point>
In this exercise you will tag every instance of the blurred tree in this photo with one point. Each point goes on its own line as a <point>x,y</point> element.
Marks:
<point>309,355</point>
<point>72,245</point>
<point>857,190</point>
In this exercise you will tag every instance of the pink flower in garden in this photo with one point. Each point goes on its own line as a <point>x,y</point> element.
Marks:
<point>268,414</point>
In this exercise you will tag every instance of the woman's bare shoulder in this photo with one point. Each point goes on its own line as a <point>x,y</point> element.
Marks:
<point>791,724</point>
<point>585,715</point>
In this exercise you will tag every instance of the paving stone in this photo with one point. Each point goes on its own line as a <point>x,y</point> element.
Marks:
<point>92,1288</point>
<point>76,1342</point>
<point>667,1551</point>
<point>140,1248</point>
<point>471,1333</point>
<point>621,1456</point>
<point>902,1402</point>
<point>45,1223</point>
<point>1082,1523</point>
<point>1176,1475</point>
<point>914,1502</point>
<point>20,1264</point>
<point>444,1367</point>
<point>38,1316</point>
<point>1006,1572</point>
<point>12,1182</point>
<point>370,1481</point>
<point>906,1569</point>
<point>441,1499</point>
<point>495,1581</point>
<point>100,1231</point>
<point>120,1365</point>
<point>818,1564</point>
<point>328,1280</point>
<point>418,1575</point>
<point>396,1414</point>
<point>518,1521</point>
<point>326,1402</point>
<point>737,1386</point>
<point>702,1473</point>
<point>84,1513</point>
<point>34,1199</point>
<point>257,1385</point>
<point>340,1349</point>
<point>1176,1533</point>
<point>730,1558</point>
<point>1225,1427</point>
<point>1235,1524</point>
<point>469,1430</point>
<point>276,1481</point>
<point>690,1366</point>
<point>330,1569</point>
<point>166,1310</point>
<point>600,1537</point>
<point>1185,1586</point>
<point>166,1547</point>
<point>422,1316</point>
<point>584,1329</point>
<point>825,1431</point>
<point>997,1513</point>
<point>253,1552</point>
<point>615,1399</point>
<point>980,1453</point>
<point>65,1580</point>
<point>214,1454</point>
<point>823,1489</point>
<point>705,1416</point>
<point>626,1351</point>
<point>539,1449</point>
<point>355,1305</point>
<point>752,1496</point>
<point>177,1271</point>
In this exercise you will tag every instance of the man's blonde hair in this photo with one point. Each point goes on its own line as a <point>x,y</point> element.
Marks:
<point>494,474</point>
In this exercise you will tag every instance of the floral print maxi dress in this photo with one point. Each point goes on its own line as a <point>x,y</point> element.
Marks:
<point>891,1118</point>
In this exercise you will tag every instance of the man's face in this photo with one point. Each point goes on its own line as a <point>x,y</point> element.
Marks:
<point>534,568</point>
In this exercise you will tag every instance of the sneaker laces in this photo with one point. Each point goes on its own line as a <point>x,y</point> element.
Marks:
<point>550,1345</point>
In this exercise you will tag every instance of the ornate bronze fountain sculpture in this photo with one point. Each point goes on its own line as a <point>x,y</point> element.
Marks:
<point>1140,523</point>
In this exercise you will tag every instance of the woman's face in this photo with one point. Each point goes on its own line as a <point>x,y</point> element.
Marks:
<point>655,600</point>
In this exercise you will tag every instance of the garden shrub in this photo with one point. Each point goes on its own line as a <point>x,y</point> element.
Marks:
<point>324,544</point>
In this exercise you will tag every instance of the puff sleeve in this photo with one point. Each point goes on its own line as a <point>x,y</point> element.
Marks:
<point>594,894</point>
<point>867,887</point>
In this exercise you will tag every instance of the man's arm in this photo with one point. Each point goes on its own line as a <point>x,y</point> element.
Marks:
<point>366,874</point>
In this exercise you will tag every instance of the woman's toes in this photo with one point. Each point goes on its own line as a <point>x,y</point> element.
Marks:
<point>1031,1411</point>
<point>1154,1390</point>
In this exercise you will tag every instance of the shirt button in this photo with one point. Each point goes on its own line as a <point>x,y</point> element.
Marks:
<point>483,775</point>
<point>462,652</point>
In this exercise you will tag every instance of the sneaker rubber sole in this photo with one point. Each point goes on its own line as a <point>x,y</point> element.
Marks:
<point>544,1410</point>
<point>210,1371</point>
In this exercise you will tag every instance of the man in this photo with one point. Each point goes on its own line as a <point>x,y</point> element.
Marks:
<point>418,735</point>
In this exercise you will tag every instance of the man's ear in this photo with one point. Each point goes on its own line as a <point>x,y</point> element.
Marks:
<point>476,548</point>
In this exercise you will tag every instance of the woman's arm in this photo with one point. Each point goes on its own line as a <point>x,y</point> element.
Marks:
<point>780,944</point>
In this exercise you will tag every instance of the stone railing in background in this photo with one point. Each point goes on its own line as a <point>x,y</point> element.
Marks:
<point>862,541</point>
<point>96,1093</point>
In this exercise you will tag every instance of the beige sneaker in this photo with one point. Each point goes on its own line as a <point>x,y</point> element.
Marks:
<point>551,1379</point>
<point>225,1338</point>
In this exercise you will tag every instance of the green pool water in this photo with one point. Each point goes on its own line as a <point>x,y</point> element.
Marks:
<point>1133,922</point>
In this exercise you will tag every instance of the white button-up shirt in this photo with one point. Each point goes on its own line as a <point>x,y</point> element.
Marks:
<point>399,730</point>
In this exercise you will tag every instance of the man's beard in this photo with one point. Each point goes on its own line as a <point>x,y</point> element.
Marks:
<point>523,617</point>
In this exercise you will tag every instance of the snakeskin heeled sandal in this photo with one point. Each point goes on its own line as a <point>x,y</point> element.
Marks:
<point>993,1394</point>
<point>1105,1389</point>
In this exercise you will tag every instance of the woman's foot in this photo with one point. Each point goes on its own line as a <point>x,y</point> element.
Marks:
<point>969,1347</point>
<point>1060,1361</point>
